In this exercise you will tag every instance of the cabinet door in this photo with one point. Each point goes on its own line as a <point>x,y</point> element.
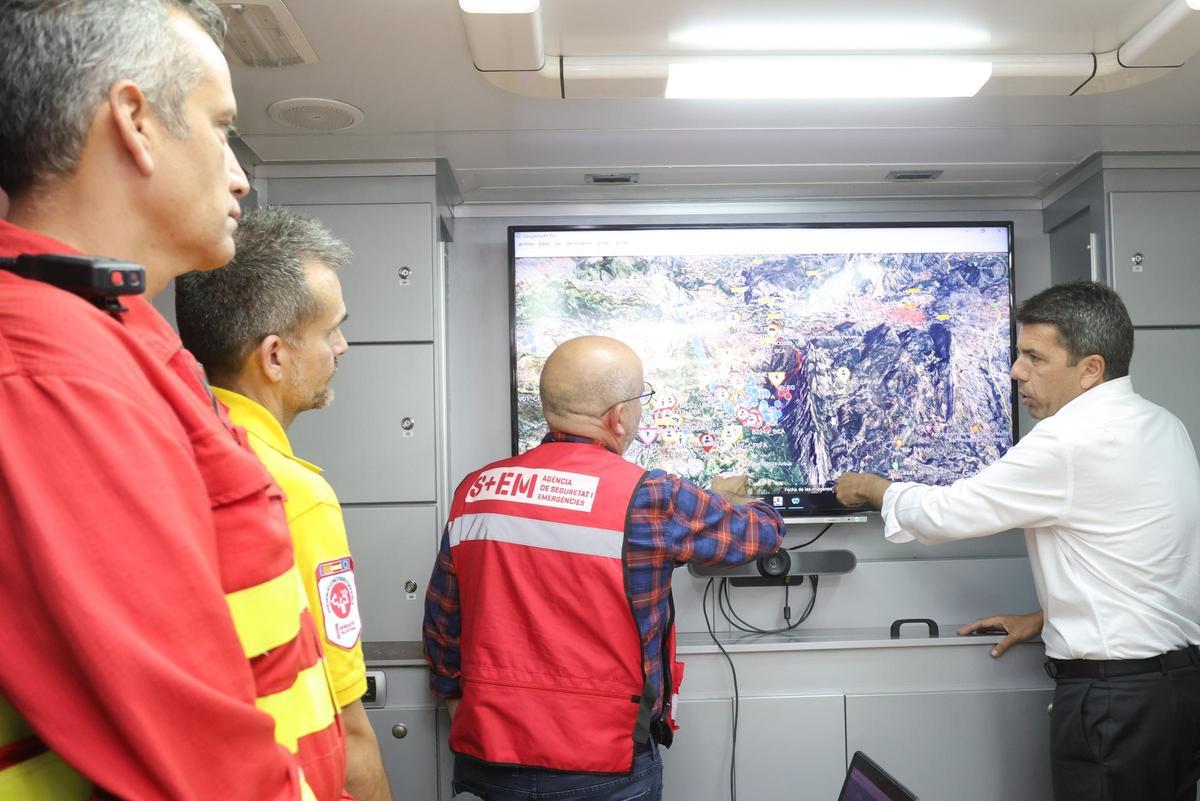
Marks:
<point>389,286</point>
<point>376,440</point>
<point>408,743</point>
<point>696,766</point>
<point>985,746</point>
<point>1162,372</point>
<point>791,747</point>
<point>392,545</point>
<point>1156,255</point>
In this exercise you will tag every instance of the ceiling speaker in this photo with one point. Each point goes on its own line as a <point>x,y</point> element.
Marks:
<point>315,114</point>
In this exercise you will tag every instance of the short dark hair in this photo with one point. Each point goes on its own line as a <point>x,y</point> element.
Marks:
<point>59,59</point>
<point>224,314</point>
<point>1091,320</point>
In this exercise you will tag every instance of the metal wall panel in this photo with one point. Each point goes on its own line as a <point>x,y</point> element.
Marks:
<point>389,286</point>
<point>411,760</point>
<point>985,746</point>
<point>1163,370</point>
<point>392,546</point>
<point>793,747</point>
<point>361,439</point>
<point>1156,255</point>
<point>696,766</point>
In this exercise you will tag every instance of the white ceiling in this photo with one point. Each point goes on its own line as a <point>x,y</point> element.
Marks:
<point>406,64</point>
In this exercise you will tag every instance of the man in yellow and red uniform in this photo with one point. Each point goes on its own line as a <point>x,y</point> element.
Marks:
<point>548,623</point>
<point>156,638</point>
<point>267,328</point>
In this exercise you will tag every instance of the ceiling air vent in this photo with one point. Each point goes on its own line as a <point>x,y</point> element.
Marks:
<point>611,178</point>
<point>263,33</point>
<point>914,175</point>
<point>315,114</point>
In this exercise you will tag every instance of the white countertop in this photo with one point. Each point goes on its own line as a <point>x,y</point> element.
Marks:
<point>913,635</point>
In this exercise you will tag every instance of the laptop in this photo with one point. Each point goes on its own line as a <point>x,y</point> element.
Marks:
<point>866,781</point>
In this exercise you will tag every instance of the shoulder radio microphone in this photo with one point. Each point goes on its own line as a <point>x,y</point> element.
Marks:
<point>99,281</point>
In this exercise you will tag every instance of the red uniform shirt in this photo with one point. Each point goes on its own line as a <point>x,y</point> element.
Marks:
<point>127,512</point>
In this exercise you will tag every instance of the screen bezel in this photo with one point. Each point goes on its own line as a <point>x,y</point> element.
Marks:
<point>837,511</point>
<point>894,790</point>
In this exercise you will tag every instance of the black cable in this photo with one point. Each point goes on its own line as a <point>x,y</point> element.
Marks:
<point>814,539</point>
<point>736,698</point>
<point>725,604</point>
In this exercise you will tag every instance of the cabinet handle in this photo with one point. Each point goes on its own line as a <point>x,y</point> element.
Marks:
<point>405,273</point>
<point>407,423</point>
<point>1137,258</point>
<point>399,731</point>
<point>410,586</point>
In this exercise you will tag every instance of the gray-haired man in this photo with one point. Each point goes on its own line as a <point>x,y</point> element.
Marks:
<point>267,329</point>
<point>150,610</point>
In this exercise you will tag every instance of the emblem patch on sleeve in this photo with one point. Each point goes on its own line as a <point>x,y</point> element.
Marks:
<point>339,602</point>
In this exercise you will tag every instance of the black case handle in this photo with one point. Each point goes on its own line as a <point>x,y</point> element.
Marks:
<point>896,624</point>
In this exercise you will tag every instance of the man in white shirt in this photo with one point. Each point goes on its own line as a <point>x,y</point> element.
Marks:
<point>1107,488</point>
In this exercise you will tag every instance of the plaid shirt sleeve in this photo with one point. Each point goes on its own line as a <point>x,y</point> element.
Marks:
<point>443,624</point>
<point>691,524</point>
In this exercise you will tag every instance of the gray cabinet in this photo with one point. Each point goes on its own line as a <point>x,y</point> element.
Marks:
<point>408,743</point>
<point>1156,256</point>
<point>389,287</point>
<point>794,747</point>
<point>696,766</point>
<point>986,746</point>
<point>1163,370</point>
<point>405,723</point>
<point>790,747</point>
<point>376,440</point>
<point>392,546</point>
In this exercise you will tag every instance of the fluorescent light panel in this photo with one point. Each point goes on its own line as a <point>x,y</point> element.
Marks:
<point>816,77</point>
<point>499,6</point>
<point>842,37</point>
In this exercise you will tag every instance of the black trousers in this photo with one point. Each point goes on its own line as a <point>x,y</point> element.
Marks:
<point>1133,738</point>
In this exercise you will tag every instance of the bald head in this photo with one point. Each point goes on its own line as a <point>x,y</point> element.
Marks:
<point>585,377</point>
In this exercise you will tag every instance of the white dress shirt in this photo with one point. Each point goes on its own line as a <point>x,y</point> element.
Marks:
<point>1108,492</point>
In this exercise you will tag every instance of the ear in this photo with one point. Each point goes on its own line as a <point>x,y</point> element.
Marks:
<point>1092,372</point>
<point>271,357</point>
<point>612,421</point>
<point>135,122</point>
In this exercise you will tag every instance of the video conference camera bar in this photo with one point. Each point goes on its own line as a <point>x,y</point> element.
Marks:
<point>781,567</point>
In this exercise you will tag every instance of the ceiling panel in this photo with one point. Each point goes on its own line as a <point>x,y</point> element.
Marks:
<point>407,66</point>
<point>621,27</point>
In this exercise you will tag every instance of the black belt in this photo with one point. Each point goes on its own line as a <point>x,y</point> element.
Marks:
<point>1112,668</point>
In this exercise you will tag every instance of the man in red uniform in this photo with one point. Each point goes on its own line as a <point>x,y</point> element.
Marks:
<point>152,624</point>
<point>548,612</point>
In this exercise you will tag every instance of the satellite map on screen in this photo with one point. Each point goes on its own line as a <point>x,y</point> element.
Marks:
<point>792,367</point>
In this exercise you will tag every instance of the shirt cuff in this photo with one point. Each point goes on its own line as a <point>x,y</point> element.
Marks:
<point>892,530</point>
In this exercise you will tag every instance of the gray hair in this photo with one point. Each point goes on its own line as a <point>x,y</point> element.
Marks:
<point>1091,320</point>
<point>59,59</point>
<point>224,314</point>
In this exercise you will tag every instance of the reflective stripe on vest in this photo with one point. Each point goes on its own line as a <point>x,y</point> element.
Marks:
<point>268,616</point>
<point>30,772</point>
<point>537,534</point>
<point>301,709</point>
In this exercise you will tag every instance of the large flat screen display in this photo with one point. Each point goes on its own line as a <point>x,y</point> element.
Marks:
<point>789,353</point>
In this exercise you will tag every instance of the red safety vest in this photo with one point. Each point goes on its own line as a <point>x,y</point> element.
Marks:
<point>551,657</point>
